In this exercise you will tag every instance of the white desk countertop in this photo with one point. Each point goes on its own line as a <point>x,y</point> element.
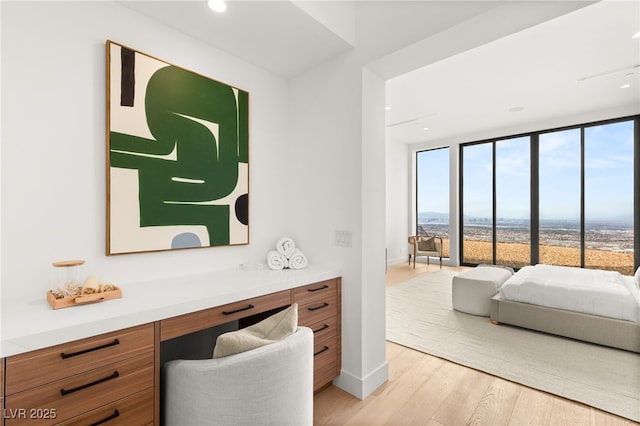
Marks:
<point>33,324</point>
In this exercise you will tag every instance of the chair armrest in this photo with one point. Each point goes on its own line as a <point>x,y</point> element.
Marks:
<point>413,241</point>
<point>438,241</point>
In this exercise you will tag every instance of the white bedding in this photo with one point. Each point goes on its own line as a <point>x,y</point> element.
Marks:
<point>590,291</point>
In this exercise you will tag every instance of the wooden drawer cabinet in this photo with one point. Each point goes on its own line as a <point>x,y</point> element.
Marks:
<point>2,387</point>
<point>188,323</point>
<point>328,326</point>
<point>326,361</point>
<point>114,378</point>
<point>319,308</point>
<point>313,312</point>
<point>136,409</point>
<point>78,378</point>
<point>316,291</point>
<point>35,368</point>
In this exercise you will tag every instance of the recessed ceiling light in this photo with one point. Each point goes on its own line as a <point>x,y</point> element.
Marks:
<point>425,128</point>
<point>625,86</point>
<point>217,5</point>
<point>387,108</point>
<point>636,35</point>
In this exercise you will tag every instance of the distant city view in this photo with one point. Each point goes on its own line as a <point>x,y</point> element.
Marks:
<point>609,244</point>
<point>612,235</point>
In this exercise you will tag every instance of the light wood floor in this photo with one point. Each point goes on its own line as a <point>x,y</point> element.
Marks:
<point>425,390</point>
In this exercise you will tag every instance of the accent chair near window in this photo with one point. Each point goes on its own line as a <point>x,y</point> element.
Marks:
<point>421,246</point>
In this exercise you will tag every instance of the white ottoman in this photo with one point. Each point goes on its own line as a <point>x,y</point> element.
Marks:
<point>472,290</point>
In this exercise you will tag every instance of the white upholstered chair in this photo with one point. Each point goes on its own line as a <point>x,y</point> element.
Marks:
<point>270,385</point>
<point>428,247</point>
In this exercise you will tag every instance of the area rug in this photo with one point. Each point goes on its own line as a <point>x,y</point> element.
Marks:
<point>420,316</point>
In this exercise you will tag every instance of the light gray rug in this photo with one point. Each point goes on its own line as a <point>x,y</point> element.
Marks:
<point>420,316</point>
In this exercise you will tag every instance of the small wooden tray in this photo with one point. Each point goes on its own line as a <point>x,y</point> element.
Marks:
<point>82,300</point>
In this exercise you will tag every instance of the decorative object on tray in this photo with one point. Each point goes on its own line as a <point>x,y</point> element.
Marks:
<point>286,256</point>
<point>70,290</point>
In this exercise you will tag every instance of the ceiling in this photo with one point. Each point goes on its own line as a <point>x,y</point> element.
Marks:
<point>458,68</point>
<point>570,66</point>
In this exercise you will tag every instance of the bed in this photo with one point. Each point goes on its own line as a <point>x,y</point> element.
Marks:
<point>595,306</point>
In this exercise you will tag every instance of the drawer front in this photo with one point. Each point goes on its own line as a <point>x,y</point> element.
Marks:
<point>324,374</point>
<point>36,368</point>
<point>316,311</point>
<point>316,291</point>
<point>325,328</point>
<point>325,361</point>
<point>1,387</point>
<point>136,410</point>
<point>80,393</point>
<point>324,347</point>
<point>188,323</point>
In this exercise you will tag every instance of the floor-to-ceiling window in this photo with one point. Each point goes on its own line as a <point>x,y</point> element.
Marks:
<point>432,195</point>
<point>562,197</point>
<point>559,170</point>
<point>608,197</point>
<point>512,195</point>
<point>477,203</point>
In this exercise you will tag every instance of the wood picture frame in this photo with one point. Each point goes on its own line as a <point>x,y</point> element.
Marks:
<point>177,157</point>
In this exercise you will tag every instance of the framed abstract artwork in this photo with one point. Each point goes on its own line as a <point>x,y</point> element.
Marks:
<point>177,157</point>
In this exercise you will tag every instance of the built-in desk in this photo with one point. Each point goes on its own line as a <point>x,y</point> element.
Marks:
<point>101,362</point>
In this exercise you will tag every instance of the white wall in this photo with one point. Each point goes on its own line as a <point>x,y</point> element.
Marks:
<point>399,197</point>
<point>53,144</point>
<point>328,135</point>
<point>373,287</point>
<point>307,171</point>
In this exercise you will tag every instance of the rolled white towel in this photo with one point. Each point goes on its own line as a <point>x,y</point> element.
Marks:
<point>298,260</point>
<point>285,246</point>
<point>276,261</point>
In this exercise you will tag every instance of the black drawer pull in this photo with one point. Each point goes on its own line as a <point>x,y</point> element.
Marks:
<point>324,305</point>
<point>106,345</point>
<point>324,327</point>
<point>326,348</point>
<point>64,392</point>
<point>318,289</point>
<point>115,415</point>
<point>238,310</point>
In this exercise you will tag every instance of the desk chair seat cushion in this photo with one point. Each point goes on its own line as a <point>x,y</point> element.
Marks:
<point>270,330</point>
<point>270,385</point>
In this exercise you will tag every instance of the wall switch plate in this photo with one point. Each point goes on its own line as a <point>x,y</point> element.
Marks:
<point>343,238</point>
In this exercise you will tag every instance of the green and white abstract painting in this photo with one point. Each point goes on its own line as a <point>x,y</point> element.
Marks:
<point>177,157</point>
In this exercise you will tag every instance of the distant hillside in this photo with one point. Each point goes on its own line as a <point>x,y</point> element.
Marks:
<point>438,217</point>
<point>428,216</point>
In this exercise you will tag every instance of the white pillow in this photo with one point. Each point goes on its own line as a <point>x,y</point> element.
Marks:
<point>270,330</point>
<point>637,277</point>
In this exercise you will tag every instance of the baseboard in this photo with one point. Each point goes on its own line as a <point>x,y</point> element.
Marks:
<point>363,387</point>
<point>396,260</point>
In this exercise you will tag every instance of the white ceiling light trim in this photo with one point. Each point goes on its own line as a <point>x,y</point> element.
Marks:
<point>217,5</point>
